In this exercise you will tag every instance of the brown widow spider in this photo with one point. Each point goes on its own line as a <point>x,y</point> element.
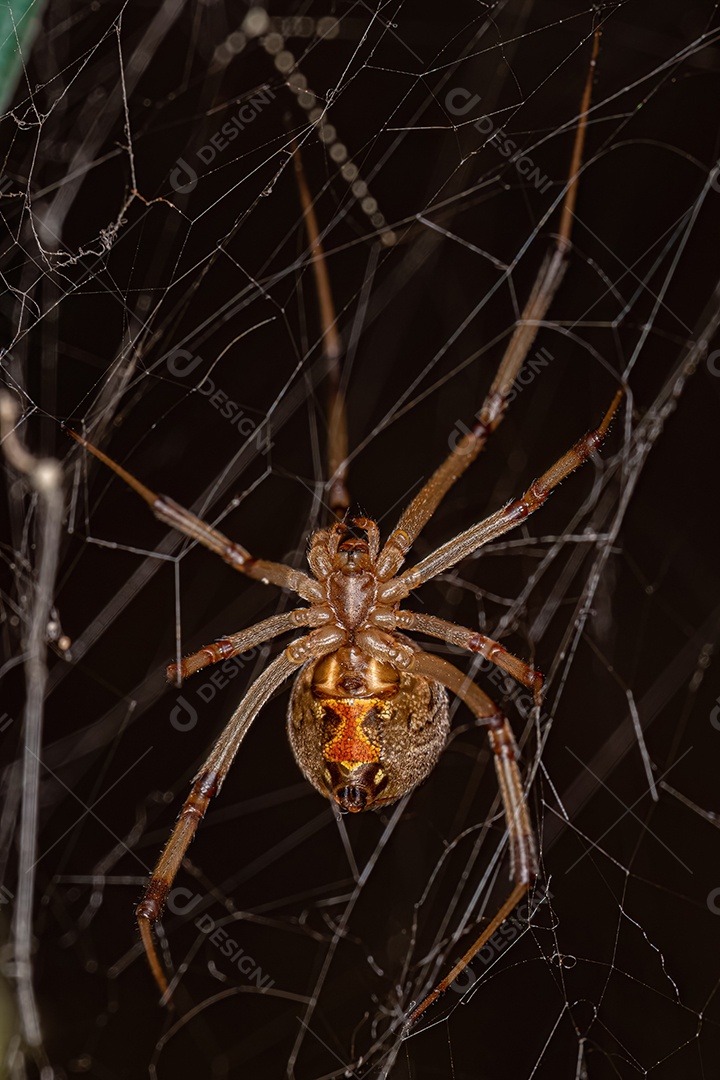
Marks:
<point>368,714</point>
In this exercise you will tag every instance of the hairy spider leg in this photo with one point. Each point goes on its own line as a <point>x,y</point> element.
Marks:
<point>503,520</point>
<point>417,514</point>
<point>171,513</point>
<point>209,780</point>
<point>523,855</point>
<point>337,437</point>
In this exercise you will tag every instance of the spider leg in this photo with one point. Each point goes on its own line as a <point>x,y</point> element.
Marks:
<point>503,520</point>
<point>171,513</point>
<point>474,642</point>
<point>524,864</point>
<point>209,780</point>
<point>337,448</point>
<point>418,513</point>
<point>226,648</point>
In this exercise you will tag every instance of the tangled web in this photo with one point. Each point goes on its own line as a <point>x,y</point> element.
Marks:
<point>158,295</point>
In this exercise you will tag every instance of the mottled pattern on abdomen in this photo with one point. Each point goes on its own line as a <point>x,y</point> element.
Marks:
<point>407,732</point>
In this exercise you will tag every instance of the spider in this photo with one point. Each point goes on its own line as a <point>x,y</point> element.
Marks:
<point>368,713</point>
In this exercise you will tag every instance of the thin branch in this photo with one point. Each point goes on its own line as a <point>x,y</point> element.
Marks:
<point>45,476</point>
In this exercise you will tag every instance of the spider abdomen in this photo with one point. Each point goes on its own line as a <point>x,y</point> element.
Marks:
<point>365,749</point>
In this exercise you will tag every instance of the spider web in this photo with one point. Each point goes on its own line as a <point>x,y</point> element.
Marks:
<point>158,295</point>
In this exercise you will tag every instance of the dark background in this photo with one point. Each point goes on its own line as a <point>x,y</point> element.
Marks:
<point>618,975</point>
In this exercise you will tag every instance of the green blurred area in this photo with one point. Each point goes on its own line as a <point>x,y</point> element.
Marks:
<point>19,22</point>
